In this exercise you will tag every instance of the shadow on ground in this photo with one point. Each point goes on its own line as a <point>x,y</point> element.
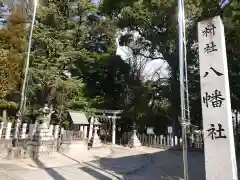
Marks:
<point>93,171</point>
<point>54,174</point>
<point>162,165</point>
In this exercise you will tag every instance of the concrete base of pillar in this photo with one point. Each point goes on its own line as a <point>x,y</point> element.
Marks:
<point>134,141</point>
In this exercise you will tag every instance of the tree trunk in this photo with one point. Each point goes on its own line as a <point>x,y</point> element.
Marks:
<point>174,97</point>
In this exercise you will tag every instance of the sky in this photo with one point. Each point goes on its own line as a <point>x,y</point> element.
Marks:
<point>151,66</point>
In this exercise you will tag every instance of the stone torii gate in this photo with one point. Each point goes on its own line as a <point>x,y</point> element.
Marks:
<point>111,114</point>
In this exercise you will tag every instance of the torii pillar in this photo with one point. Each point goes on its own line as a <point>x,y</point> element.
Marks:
<point>114,129</point>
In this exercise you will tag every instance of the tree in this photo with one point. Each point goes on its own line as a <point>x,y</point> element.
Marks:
<point>156,23</point>
<point>73,45</point>
<point>13,43</point>
<point>50,78</point>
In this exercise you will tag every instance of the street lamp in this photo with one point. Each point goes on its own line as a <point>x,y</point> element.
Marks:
<point>23,91</point>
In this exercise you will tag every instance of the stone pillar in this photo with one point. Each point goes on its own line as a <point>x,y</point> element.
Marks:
<point>23,132</point>
<point>85,131</point>
<point>16,131</point>
<point>56,132</point>
<point>91,128</point>
<point>30,132</point>
<point>1,128</point>
<point>161,139</point>
<point>172,141</point>
<point>8,130</point>
<point>134,141</point>
<point>4,115</point>
<point>114,130</point>
<point>62,131</point>
<point>51,127</point>
<point>81,128</point>
<point>176,141</point>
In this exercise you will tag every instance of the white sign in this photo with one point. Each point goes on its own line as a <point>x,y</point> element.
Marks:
<point>220,159</point>
<point>150,130</point>
<point>169,129</point>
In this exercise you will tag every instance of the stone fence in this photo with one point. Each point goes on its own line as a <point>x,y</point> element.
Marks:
<point>194,142</point>
<point>7,131</point>
<point>31,139</point>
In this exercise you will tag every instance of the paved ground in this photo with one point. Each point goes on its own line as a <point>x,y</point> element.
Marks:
<point>120,163</point>
<point>99,164</point>
<point>167,165</point>
<point>69,172</point>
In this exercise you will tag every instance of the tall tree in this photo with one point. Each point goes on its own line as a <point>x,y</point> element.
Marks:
<point>13,43</point>
<point>156,22</point>
<point>73,47</point>
<point>50,80</point>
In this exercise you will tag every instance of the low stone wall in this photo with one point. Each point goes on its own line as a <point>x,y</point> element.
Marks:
<point>38,140</point>
<point>5,144</point>
<point>37,148</point>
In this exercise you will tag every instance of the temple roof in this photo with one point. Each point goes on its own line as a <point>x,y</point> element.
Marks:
<point>78,117</point>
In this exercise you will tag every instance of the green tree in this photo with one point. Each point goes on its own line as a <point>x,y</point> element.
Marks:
<point>53,52</point>
<point>13,43</point>
<point>71,37</point>
<point>156,23</point>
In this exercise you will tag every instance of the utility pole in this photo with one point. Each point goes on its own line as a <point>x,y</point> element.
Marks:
<point>185,113</point>
<point>23,91</point>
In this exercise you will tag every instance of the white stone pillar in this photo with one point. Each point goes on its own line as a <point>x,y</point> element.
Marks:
<point>62,131</point>
<point>23,132</point>
<point>1,128</point>
<point>56,132</point>
<point>176,141</point>
<point>161,139</point>
<point>172,141</point>
<point>8,130</point>
<point>90,128</point>
<point>16,131</point>
<point>164,141</point>
<point>4,115</point>
<point>114,130</point>
<point>158,140</point>
<point>30,131</point>
<point>180,142</point>
<point>85,129</point>
<point>51,127</point>
<point>216,112</point>
<point>81,128</point>
<point>168,140</point>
